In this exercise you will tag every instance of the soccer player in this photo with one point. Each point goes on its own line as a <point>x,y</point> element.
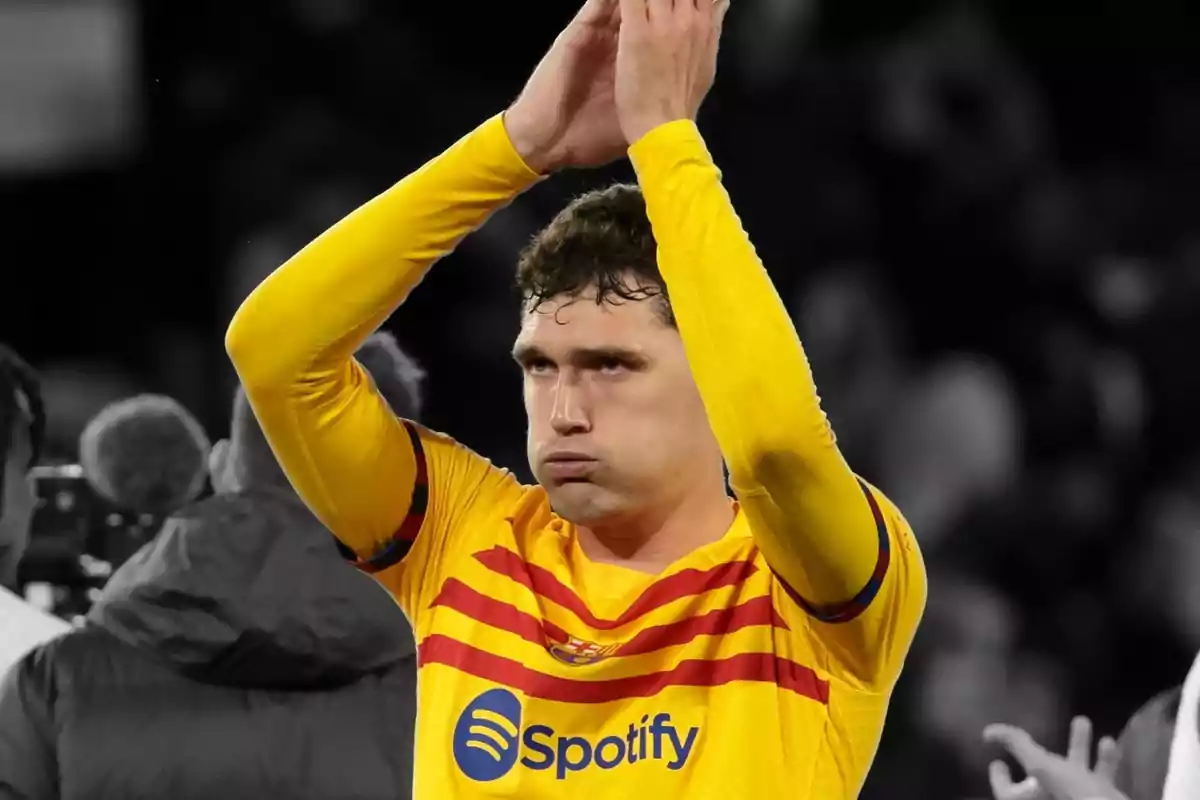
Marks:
<point>623,626</point>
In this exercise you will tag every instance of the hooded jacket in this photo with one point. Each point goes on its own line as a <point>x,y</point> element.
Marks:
<point>235,657</point>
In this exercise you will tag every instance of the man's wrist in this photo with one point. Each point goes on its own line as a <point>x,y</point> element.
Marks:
<point>641,128</point>
<point>527,144</point>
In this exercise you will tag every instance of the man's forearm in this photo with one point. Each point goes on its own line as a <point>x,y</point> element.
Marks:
<point>312,313</point>
<point>816,525</point>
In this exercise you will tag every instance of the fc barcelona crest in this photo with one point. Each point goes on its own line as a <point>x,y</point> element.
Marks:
<point>577,652</point>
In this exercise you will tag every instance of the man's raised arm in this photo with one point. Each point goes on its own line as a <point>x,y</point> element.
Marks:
<point>844,554</point>
<point>834,541</point>
<point>292,341</point>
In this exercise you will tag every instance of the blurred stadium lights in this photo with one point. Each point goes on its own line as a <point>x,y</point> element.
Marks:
<point>328,15</point>
<point>68,94</point>
<point>768,34</point>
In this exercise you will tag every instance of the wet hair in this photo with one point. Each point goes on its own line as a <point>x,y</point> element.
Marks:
<point>17,379</point>
<point>602,242</point>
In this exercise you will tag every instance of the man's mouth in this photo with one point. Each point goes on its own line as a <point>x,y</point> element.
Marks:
<point>569,467</point>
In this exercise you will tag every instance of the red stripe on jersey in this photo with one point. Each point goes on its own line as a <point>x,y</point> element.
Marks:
<point>462,598</point>
<point>756,612</point>
<point>500,615</point>
<point>685,583</point>
<point>758,667</point>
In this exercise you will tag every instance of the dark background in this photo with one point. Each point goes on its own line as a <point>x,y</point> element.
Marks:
<point>983,216</point>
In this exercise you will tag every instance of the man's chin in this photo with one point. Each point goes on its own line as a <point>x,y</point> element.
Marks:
<point>582,502</point>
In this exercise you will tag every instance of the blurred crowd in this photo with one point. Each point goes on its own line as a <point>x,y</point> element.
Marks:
<point>989,250</point>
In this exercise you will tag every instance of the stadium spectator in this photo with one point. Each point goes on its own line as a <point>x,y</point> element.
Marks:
<point>145,457</point>
<point>236,655</point>
<point>1051,776</point>
<point>22,421</point>
<point>1157,755</point>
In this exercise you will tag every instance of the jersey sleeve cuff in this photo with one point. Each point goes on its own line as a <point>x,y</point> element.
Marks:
<point>496,149</point>
<point>666,148</point>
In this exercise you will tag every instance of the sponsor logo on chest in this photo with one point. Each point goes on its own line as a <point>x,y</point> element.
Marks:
<point>491,738</point>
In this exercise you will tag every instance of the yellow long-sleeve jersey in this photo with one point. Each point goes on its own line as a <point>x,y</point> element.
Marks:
<point>757,666</point>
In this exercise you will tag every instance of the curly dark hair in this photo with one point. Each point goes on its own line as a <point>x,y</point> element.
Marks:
<point>16,376</point>
<point>600,241</point>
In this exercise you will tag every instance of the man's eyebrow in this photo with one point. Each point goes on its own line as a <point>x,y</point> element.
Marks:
<point>524,353</point>
<point>593,354</point>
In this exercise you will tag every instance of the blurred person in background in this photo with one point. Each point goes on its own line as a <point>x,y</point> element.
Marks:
<point>942,436</point>
<point>853,333</point>
<point>1156,757</point>
<point>1050,776</point>
<point>146,454</point>
<point>142,458</point>
<point>788,615</point>
<point>22,422</point>
<point>236,655</point>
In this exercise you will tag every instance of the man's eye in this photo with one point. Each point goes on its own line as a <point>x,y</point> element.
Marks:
<point>611,365</point>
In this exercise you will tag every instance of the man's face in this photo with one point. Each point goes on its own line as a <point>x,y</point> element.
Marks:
<point>19,499</point>
<point>616,424</point>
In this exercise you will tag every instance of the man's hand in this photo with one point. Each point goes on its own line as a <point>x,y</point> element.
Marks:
<point>1052,777</point>
<point>565,116</point>
<point>666,61</point>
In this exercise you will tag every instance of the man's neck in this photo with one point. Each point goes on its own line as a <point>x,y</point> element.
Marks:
<point>651,542</point>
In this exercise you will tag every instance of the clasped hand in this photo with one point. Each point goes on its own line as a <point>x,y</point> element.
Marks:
<point>618,70</point>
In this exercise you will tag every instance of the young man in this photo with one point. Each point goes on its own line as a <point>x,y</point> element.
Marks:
<point>623,626</point>
<point>22,421</point>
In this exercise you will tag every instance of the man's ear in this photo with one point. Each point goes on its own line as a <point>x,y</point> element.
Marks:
<point>220,470</point>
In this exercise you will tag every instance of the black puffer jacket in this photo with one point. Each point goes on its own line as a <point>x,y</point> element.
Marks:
<point>236,657</point>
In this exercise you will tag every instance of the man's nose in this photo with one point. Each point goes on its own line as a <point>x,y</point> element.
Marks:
<point>569,411</point>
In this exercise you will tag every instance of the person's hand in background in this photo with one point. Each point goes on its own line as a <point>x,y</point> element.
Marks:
<point>1049,775</point>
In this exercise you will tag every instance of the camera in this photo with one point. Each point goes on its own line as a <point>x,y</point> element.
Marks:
<point>77,537</point>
